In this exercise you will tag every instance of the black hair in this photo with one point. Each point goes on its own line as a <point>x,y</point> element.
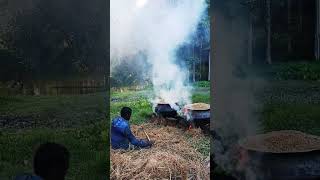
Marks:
<point>51,161</point>
<point>126,112</point>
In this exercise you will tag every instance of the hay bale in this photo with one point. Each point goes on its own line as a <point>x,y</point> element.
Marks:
<point>171,157</point>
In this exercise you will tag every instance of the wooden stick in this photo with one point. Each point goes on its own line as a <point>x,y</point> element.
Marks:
<point>146,134</point>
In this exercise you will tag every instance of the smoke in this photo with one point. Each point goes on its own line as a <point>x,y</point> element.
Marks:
<point>158,28</point>
<point>235,112</point>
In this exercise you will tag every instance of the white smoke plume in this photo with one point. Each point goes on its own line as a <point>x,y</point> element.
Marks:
<point>156,27</point>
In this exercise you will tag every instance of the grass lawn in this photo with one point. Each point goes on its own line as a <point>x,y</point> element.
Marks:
<point>292,105</point>
<point>301,117</point>
<point>291,96</point>
<point>78,122</point>
<point>142,108</point>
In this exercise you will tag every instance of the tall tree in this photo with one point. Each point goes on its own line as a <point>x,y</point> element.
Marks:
<point>268,19</point>
<point>317,32</point>
<point>59,37</point>
<point>289,26</point>
<point>250,34</point>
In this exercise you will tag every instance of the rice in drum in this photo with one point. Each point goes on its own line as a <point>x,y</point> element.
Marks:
<point>282,142</point>
<point>198,107</point>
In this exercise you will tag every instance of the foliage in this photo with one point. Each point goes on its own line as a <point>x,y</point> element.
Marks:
<point>58,37</point>
<point>202,84</point>
<point>10,65</point>
<point>301,70</point>
<point>130,72</point>
<point>298,71</point>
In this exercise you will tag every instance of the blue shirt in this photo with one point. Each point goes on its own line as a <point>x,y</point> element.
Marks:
<point>121,135</point>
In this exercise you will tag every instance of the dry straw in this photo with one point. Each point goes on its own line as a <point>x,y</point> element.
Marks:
<point>171,157</point>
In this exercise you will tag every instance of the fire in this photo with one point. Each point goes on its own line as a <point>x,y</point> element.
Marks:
<point>243,159</point>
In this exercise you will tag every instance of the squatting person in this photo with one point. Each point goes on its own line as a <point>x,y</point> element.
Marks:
<point>121,135</point>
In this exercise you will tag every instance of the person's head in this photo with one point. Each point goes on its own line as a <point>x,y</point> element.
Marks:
<point>51,161</point>
<point>126,113</point>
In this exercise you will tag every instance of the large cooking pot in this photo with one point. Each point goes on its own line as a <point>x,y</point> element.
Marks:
<point>303,165</point>
<point>165,110</point>
<point>199,116</point>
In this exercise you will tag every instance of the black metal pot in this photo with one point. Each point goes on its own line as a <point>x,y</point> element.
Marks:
<point>200,118</point>
<point>165,110</point>
<point>285,166</point>
<point>198,114</point>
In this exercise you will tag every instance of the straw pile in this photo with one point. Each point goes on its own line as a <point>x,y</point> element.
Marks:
<point>171,157</point>
<point>287,141</point>
<point>198,106</point>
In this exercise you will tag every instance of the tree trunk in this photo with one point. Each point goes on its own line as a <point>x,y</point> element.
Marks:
<point>289,28</point>
<point>250,38</point>
<point>300,15</point>
<point>268,18</point>
<point>209,67</point>
<point>194,65</point>
<point>200,59</point>
<point>317,40</point>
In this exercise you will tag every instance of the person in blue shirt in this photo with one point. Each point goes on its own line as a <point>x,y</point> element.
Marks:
<point>121,135</point>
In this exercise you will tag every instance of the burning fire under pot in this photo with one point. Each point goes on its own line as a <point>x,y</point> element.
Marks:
<point>198,114</point>
<point>165,111</point>
<point>288,164</point>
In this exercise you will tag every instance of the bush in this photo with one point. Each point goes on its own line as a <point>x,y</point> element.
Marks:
<point>298,71</point>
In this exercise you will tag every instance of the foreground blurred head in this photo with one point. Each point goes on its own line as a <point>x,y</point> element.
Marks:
<point>126,113</point>
<point>51,161</point>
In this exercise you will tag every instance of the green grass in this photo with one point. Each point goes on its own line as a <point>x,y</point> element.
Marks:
<point>141,107</point>
<point>291,105</point>
<point>69,111</point>
<point>85,136</point>
<point>199,97</point>
<point>202,84</point>
<point>202,145</point>
<point>301,117</point>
